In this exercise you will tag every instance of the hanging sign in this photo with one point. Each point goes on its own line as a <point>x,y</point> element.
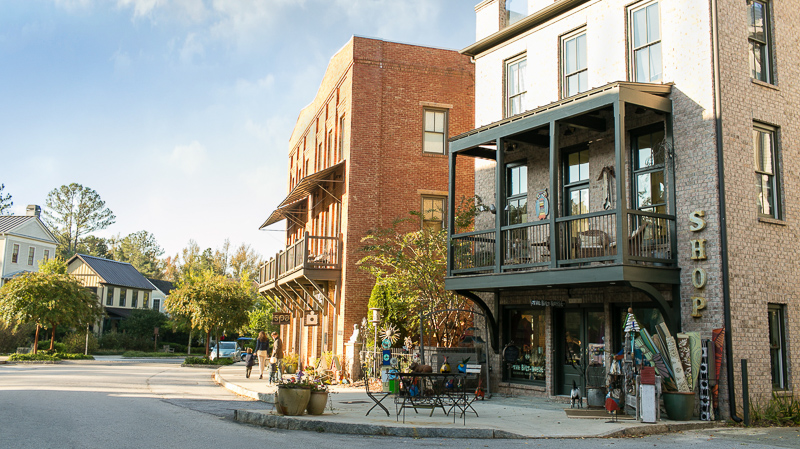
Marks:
<point>312,319</point>
<point>279,318</point>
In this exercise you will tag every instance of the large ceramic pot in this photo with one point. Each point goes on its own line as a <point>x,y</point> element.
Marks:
<point>678,405</point>
<point>293,401</point>
<point>317,403</point>
<point>289,369</point>
<point>596,396</point>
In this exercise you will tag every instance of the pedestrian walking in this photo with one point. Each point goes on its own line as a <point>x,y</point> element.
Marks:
<point>249,361</point>
<point>262,350</point>
<point>277,353</point>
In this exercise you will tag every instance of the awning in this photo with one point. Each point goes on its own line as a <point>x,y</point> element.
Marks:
<point>117,312</point>
<point>301,191</point>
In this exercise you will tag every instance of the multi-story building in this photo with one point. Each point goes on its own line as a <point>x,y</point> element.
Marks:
<point>25,242</point>
<point>369,149</point>
<point>638,154</point>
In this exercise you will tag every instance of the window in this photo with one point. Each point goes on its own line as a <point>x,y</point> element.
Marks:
<point>646,41</point>
<point>433,213</point>
<point>526,328</point>
<point>31,255</point>
<point>145,299</point>
<point>340,149</point>
<point>109,296</point>
<point>576,189</point>
<point>515,86</point>
<point>15,254</point>
<point>516,194</point>
<point>122,294</point>
<point>46,255</point>
<point>331,148</point>
<point>435,131</point>
<point>777,346</point>
<point>573,54</point>
<point>759,40</point>
<point>134,298</point>
<point>766,183</point>
<point>648,170</point>
<point>156,304</point>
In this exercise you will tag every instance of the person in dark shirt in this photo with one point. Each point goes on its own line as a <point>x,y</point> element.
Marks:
<point>249,361</point>
<point>262,350</point>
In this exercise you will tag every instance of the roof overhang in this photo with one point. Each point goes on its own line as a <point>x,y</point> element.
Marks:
<point>481,142</point>
<point>528,23</point>
<point>301,191</point>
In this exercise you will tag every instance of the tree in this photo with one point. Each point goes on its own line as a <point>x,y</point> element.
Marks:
<point>141,250</point>
<point>73,211</point>
<point>5,201</point>
<point>260,318</point>
<point>48,300</point>
<point>212,303</point>
<point>244,263</point>
<point>142,321</point>
<point>413,266</point>
<point>55,265</point>
<point>95,246</point>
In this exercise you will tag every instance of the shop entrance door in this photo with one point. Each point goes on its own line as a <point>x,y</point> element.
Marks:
<point>580,342</point>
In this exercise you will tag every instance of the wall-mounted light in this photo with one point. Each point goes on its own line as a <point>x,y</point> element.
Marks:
<point>490,208</point>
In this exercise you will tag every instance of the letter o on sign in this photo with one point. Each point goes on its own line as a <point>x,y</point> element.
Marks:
<point>699,278</point>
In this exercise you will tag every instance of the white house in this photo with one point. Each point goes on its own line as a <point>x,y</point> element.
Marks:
<point>25,241</point>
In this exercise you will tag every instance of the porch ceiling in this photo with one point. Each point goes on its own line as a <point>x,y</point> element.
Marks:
<point>300,192</point>
<point>480,142</point>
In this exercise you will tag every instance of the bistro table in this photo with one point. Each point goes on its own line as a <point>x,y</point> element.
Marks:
<point>433,390</point>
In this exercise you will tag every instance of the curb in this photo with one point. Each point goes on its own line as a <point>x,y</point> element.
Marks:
<point>263,397</point>
<point>663,428</point>
<point>290,423</point>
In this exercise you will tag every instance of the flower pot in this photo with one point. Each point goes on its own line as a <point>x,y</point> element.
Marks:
<point>317,403</point>
<point>293,401</point>
<point>289,369</point>
<point>595,396</point>
<point>679,405</point>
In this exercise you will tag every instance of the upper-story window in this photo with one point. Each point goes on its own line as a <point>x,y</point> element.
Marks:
<point>340,149</point>
<point>134,298</point>
<point>648,170</point>
<point>646,43</point>
<point>15,253</point>
<point>31,254</point>
<point>433,212</point>
<point>331,148</point>
<point>759,39</point>
<point>435,131</point>
<point>515,85</point>
<point>576,181</point>
<point>765,167</point>
<point>46,255</point>
<point>123,293</point>
<point>517,194</point>
<point>109,296</point>
<point>573,54</point>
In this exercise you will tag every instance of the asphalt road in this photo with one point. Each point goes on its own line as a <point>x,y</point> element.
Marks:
<point>143,404</point>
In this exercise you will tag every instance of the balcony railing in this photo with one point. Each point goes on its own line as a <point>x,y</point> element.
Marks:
<point>583,240</point>
<point>309,253</point>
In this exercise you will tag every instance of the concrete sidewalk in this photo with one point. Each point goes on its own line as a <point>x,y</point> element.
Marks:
<point>499,417</point>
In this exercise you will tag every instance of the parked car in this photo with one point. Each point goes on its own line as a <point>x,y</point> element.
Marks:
<point>242,351</point>
<point>226,349</point>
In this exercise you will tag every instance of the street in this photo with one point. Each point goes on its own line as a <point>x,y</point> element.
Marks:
<point>145,403</point>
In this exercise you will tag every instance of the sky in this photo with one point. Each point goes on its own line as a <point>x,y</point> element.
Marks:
<point>178,113</point>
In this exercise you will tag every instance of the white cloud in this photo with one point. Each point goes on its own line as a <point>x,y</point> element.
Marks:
<point>192,47</point>
<point>189,158</point>
<point>185,10</point>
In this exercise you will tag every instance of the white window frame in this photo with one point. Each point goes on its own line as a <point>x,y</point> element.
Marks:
<point>577,70</point>
<point>436,131</point>
<point>649,44</point>
<point>15,253</point>
<point>769,173</point>
<point>512,96</point>
<point>428,215</point>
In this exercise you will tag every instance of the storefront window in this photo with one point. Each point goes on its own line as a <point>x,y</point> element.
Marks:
<point>526,330</point>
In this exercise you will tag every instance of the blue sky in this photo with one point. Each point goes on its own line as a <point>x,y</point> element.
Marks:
<point>179,112</point>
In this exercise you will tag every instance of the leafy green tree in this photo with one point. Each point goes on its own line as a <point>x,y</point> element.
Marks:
<point>74,211</point>
<point>395,311</point>
<point>48,300</point>
<point>141,250</point>
<point>5,201</point>
<point>212,303</point>
<point>142,321</point>
<point>244,263</point>
<point>95,246</point>
<point>55,265</point>
<point>260,318</point>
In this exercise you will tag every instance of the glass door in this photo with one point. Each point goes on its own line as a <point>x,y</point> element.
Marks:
<point>581,349</point>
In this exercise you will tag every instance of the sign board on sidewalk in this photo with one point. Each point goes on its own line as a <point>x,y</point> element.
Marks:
<point>279,318</point>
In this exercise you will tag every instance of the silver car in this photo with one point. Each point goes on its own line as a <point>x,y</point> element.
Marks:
<point>226,349</point>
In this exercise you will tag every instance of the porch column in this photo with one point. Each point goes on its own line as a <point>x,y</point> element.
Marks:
<point>451,207</point>
<point>555,155</point>
<point>620,156</point>
<point>499,201</point>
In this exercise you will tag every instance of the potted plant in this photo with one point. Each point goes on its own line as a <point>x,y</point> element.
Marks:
<point>290,363</point>
<point>319,398</point>
<point>293,395</point>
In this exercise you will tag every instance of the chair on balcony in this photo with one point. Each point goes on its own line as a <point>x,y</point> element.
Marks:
<point>635,241</point>
<point>593,243</point>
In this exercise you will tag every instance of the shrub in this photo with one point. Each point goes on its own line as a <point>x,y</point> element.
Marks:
<point>11,339</point>
<point>206,361</point>
<point>148,354</point>
<point>76,342</point>
<point>32,358</point>
<point>73,356</point>
<point>779,411</point>
<point>118,341</point>
<point>44,346</point>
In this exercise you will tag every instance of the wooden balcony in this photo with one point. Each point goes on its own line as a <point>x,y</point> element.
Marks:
<point>312,257</point>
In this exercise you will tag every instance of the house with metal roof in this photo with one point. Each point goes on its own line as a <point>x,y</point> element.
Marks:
<point>118,285</point>
<point>160,293</point>
<point>25,241</point>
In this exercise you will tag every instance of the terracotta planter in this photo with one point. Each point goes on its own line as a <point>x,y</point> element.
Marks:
<point>293,401</point>
<point>678,405</point>
<point>317,403</point>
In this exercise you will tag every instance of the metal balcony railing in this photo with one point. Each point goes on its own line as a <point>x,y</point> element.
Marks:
<point>309,253</point>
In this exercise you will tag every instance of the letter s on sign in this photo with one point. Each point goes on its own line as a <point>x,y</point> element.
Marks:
<point>698,222</point>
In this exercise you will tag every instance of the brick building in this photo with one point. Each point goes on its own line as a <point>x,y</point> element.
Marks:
<point>371,147</point>
<point>619,142</point>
